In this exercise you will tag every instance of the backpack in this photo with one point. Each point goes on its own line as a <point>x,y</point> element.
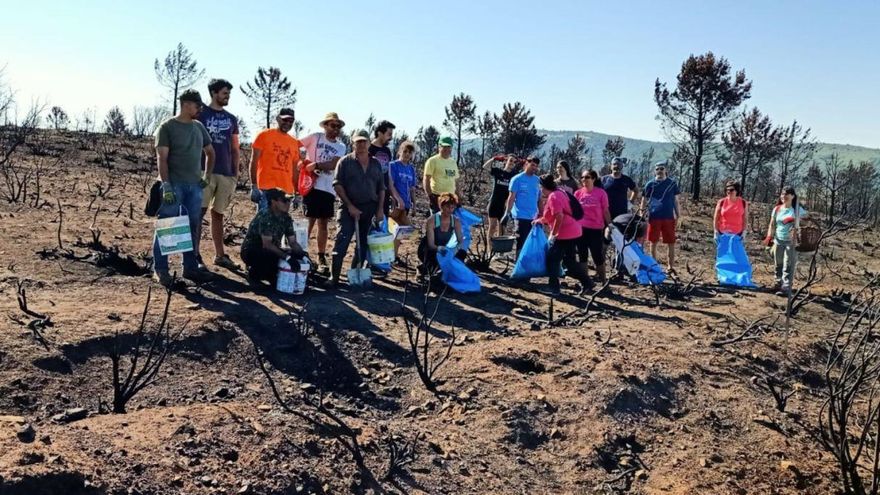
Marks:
<point>577,211</point>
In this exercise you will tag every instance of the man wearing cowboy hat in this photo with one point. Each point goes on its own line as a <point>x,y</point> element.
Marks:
<point>324,149</point>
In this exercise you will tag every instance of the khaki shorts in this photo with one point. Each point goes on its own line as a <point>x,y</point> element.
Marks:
<point>218,195</point>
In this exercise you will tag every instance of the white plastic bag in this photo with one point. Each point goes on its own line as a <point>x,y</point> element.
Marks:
<point>174,234</point>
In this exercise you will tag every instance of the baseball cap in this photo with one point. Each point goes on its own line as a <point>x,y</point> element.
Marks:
<point>286,112</point>
<point>360,135</point>
<point>276,193</point>
<point>618,161</point>
<point>445,141</point>
<point>663,164</point>
<point>191,95</point>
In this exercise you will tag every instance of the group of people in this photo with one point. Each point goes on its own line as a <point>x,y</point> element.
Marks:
<point>198,162</point>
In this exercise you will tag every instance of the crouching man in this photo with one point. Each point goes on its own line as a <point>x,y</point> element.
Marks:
<point>261,248</point>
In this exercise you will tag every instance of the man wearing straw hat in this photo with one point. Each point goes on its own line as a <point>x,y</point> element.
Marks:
<point>324,149</point>
<point>360,185</point>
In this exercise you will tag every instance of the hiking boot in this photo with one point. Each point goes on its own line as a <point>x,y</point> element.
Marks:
<point>198,276</point>
<point>163,277</point>
<point>226,262</point>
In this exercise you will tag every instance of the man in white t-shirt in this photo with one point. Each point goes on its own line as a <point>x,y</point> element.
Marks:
<point>324,149</point>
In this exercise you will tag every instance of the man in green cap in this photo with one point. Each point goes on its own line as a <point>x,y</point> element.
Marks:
<point>441,171</point>
<point>181,142</point>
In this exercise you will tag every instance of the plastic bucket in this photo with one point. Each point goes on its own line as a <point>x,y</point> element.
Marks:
<point>381,247</point>
<point>503,244</point>
<point>286,278</point>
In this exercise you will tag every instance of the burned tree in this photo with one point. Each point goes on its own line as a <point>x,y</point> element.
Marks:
<point>177,72</point>
<point>850,417</point>
<point>145,355</point>
<point>422,341</point>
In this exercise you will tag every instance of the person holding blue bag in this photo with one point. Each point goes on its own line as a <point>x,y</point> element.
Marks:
<point>565,231</point>
<point>731,217</point>
<point>522,201</point>
<point>439,229</point>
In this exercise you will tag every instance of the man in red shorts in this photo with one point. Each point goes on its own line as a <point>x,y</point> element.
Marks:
<point>660,201</point>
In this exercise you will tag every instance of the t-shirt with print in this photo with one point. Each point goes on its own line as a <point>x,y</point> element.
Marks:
<point>501,187</point>
<point>221,125</point>
<point>618,190</point>
<point>319,150</point>
<point>443,172</point>
<point>526,189</point>
<point>730,215</point>
<point>594,203</point>
<point>403,175</point>
<point>557,202</point>
<point>279,154</point>
<point>661,198</point>
<point>267,223</point>
<point>785,220</point>
<point>185,142</point>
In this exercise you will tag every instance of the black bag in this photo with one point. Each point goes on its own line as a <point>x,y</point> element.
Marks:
<point>154,200</point>
<point>577,212</point>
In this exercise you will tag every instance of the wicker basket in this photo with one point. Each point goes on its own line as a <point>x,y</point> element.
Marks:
<point>808,239</point>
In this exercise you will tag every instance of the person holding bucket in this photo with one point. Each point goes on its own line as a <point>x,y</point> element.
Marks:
<point>439,229</point>
<point>261,249</point>
<point>782,235</point>
<point>402,182</point>
<point>180,143</point>
<point>360,185</point>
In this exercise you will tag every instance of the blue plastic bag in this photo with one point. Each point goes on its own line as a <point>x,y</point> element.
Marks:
<point>532,260</point>
<point>649,272</point>
<point>383,229</point>
<point>732,263</point>
<point>456,274</point>
<point>467,220</point>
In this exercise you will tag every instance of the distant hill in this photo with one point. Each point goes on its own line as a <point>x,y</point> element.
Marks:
<point>635,147</point>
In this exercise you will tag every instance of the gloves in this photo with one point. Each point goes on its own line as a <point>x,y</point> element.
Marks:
<point>203,182</point>
<point>168,196</point>
<point>256,195</point>
<point>788,220</point>
<point>505,219</point>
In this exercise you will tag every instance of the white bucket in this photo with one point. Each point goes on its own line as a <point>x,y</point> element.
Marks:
<point>301,232</point>
<point>286,278</point>
<point>300,277</point>
<point>381,248</point>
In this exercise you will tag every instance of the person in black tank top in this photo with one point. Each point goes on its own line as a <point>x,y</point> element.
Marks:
<point>439,230</point>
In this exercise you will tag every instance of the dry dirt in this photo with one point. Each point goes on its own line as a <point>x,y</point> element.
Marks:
<point>632,400</point>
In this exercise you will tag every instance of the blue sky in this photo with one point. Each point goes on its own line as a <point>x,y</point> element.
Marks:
<point>580,65</point>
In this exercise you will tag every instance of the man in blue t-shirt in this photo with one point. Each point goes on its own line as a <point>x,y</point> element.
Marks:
<point>619,188</point>
<point>223,128</point>
<point>664,213</point>
<point>522,201</point>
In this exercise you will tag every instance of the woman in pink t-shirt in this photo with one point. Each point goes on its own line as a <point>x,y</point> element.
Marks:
<point>564,234</point>
<point>731,212</point>
<point>594,202</point>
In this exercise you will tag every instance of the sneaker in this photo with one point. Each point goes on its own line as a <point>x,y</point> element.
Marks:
<point>783,292</point>
<point>198,276</point>
<point>163,277</point>
<point>226,262</point>
<point>200,261</point>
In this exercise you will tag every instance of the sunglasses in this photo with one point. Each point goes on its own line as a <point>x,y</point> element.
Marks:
<point>730,190</point>
<point>334,126</point>
<point>286,119</point>
<point>660,169</point>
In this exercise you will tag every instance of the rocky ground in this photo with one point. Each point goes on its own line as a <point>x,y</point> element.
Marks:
<point>629,397</point>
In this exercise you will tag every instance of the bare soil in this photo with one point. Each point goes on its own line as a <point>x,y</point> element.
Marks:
<point>631,398</point>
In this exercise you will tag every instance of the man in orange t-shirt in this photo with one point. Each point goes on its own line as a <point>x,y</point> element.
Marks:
<point>274,159</point>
